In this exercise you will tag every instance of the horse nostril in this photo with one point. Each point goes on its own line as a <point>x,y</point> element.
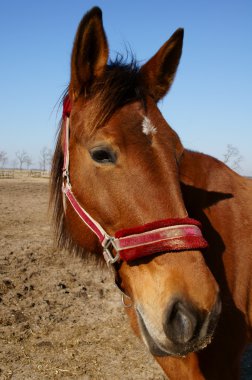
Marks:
<point>180,323</point>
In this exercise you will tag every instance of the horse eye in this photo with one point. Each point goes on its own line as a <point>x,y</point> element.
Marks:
<point>103,155</point>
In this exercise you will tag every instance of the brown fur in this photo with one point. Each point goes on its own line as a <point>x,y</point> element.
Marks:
<point>155,178</point>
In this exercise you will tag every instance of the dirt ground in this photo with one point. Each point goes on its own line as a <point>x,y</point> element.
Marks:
<point>60,318</point>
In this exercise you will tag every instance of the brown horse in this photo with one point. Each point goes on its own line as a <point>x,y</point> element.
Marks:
<point>123,166</point>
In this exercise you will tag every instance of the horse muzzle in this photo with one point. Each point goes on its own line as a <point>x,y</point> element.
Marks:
<point>184,329</point>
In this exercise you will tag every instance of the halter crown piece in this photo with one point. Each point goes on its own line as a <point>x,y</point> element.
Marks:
<point>169,235</point>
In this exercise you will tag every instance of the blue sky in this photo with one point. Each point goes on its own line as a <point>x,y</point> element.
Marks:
<point>209,105</point>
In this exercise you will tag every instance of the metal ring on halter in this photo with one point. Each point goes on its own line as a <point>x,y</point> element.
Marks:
<point>123,301</point>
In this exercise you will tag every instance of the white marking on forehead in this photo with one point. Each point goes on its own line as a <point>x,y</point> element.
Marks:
<point>148,127</point>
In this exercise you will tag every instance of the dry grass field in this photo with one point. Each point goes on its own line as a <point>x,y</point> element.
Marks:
<point>60,318</point>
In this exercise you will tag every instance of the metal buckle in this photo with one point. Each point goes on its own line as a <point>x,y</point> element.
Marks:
<point>65,176</point>
<point>108,246</point>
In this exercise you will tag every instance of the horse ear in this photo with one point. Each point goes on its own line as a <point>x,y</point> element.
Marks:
<point>90,53</point>
<point>158,73</point>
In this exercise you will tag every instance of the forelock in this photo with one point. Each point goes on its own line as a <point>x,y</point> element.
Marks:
<point>121,84</point>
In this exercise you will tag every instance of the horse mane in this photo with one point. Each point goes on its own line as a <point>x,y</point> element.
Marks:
<point>120,84</point>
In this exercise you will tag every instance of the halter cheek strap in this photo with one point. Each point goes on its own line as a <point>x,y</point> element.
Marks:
<point>161,236</point>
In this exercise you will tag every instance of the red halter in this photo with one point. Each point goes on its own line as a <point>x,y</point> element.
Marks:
<point>130,244</point>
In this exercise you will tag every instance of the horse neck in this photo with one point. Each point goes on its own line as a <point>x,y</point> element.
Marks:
<point>222,201</point>
<point>208,173</point>
<point>218,182</point>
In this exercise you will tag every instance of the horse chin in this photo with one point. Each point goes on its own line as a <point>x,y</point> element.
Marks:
<point>179,351</point>
<point>169,349</point>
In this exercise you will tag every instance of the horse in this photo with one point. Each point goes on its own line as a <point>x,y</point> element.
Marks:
<point>174,225</point>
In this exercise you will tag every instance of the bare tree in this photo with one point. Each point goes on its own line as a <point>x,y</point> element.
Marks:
<point>45,158</point>
<point>232,157</point>
<point>22,158</point>
<point>3,158</point>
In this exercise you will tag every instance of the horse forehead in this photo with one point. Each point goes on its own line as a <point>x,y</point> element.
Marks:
<point>127,117</point>
<point>129,113</point>
<point>134,114</point>
<point>133,120</point>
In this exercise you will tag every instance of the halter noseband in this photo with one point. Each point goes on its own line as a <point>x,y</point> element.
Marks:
<point>169,235</point>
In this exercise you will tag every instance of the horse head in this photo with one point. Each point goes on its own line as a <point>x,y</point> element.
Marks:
<point>123,169</point>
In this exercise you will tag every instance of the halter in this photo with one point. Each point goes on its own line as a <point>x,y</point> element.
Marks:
<point>169,235</point>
